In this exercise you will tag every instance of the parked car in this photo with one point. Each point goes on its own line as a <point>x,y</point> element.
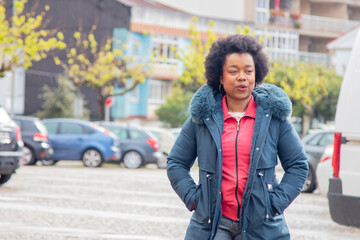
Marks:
<point>138,145</point>
<point>167,139</point>
<point>11,144</point>
<point>324,170</point>
<point>35,136</point>
<point>74,139</point>
<point>314,144</point>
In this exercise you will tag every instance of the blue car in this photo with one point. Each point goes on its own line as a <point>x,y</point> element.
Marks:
<point>74,139</point>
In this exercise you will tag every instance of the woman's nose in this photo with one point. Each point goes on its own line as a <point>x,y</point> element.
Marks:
<point>241,76</point>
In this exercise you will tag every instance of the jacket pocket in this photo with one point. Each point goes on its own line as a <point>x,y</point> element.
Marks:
<point>269,183</point>
<point>203,209</point>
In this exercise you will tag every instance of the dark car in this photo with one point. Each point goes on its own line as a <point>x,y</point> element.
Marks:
<point>10,146</point>
<point>314,144</point>
<point>138,145</point>
<point>35,136</point>
<point>74,139</point>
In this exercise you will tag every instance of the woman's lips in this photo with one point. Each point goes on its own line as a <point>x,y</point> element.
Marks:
<point>241,88</point>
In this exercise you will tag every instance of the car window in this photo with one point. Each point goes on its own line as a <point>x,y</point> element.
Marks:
<point>119,131</point>
<point>315,140</point>
<point>71,128</point>
<point>326,139</point>
<point>52,127</point>
<point>136,134</point>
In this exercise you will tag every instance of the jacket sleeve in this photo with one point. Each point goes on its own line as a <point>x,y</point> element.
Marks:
<point>295,164</point>
<point>180,160</point>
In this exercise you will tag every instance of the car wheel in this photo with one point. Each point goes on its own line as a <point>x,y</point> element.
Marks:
<point>4,178</point>
<point>132,159</point>
<point>49,162</point>
<point>162,161</point>
<point>29,158</point>
<point>92,158</point>
<point>309,185</point>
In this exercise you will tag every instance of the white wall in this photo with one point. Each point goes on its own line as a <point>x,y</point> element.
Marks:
<point>340,60</point>
<point>228,9</point>
<point>19,91</point>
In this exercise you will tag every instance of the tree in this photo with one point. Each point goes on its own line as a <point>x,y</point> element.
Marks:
<point>100,66</point>
<point>59,101</point>
<point>308,86</point>
<point>175,110</point>
<point>22,39</point>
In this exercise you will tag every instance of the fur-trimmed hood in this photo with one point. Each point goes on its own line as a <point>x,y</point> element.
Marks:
<point>270,97</point>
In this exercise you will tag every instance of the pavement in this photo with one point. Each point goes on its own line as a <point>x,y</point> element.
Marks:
<point>69,201</point>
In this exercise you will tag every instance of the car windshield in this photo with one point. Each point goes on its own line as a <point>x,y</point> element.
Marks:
<point>4,116</point>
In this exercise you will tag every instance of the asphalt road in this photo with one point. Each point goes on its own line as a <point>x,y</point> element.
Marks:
<point>69,201</point>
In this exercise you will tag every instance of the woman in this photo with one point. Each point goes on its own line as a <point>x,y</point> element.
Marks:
<point>237,129</point>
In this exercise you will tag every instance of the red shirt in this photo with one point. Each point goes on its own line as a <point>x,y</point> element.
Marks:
<point>236,145</point>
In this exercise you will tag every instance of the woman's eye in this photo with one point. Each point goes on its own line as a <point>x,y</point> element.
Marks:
<point>233,72</point>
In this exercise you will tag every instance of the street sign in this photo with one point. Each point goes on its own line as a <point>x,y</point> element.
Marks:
<point>109,101</point>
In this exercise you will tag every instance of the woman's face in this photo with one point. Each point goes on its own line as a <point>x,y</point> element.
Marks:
<point>238,76</point>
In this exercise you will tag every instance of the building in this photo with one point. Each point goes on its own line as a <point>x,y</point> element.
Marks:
<point>164,30</point>
<point>295,30</point>
<point>66,16</point>
<point>340,50</point>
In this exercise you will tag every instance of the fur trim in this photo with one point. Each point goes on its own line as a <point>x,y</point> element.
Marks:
<point>268,96</point>
<point>274,99</point>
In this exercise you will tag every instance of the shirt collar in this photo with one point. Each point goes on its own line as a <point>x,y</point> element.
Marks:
<point>250,110</point>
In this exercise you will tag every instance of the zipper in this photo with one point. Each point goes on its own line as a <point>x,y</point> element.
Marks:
<point>265,195</point>
<point>256,163</point>
<point>237,170</point>
<point>208,176</point>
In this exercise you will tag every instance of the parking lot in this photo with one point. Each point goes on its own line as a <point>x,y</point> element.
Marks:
<point>69,201</point>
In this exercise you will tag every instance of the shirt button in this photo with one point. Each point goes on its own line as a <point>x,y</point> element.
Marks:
<point>220,150</point>
<point>207,119</point>
<point>267,115</point>
<point>257,149</point>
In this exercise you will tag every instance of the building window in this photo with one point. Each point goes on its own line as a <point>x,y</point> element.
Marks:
<point>159,89</point>
<point>280,45</point>
<point>262,12</point>
<point>164,49</point>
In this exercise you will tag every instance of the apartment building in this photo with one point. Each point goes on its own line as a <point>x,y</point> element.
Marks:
<point>315,22</point>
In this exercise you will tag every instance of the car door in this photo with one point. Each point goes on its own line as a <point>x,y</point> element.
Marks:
<point>71,139</point>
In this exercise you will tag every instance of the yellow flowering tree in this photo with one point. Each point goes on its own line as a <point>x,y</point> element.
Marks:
<point>309,87</point>
<point>99,67</point>
<point>22,39</point>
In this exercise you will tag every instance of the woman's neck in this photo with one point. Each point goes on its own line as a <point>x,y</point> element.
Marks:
<point>237,106</point>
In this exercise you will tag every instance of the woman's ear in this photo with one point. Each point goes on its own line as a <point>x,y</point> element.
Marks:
<point>221,79</point>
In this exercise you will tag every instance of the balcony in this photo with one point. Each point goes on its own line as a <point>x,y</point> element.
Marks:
<point>325,24</point>
<point>311,23</point>
<point>317,58</point>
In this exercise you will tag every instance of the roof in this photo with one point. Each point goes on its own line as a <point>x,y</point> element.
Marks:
<point>345,40</point>
<point>147,3</point>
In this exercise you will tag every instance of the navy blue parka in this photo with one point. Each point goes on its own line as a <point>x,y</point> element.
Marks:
<point>264,199</point>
